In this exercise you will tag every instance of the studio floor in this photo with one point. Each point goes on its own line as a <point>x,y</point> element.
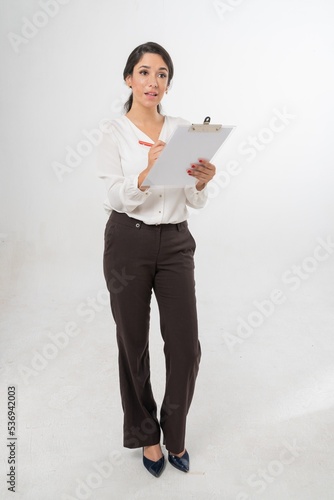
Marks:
<point>261,424</point>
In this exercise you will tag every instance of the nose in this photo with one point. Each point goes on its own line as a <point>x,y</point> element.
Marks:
<point>154,82</point>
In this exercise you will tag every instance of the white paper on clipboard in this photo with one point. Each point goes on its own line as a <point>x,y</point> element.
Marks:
<point>185,147</point>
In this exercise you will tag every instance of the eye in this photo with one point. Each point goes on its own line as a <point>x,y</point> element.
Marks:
<point>143,72</point>
<point>162,75</point>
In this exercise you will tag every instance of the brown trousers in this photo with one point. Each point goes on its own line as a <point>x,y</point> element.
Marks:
<point>139,258</point>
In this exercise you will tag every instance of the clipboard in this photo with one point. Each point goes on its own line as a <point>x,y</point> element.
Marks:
<point>186,145</point>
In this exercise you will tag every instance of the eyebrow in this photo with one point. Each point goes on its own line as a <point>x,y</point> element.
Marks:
<point>149,67</point>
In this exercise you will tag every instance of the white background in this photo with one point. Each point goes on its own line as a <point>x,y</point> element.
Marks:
<point>242,63</point>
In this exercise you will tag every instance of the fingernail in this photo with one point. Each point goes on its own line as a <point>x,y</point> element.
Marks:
<point>200,161</point>
<point>189,172</point>
<point>193,166</point>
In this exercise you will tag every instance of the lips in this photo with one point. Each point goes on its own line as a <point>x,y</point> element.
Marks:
<point>152,94</point>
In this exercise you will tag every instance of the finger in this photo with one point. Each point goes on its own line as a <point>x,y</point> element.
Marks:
<point>210,169</point>
<point>200,176</point>
<point>203,163</point>
<point>156,149</point>
<point>159,143</point>
<point>204,176</point>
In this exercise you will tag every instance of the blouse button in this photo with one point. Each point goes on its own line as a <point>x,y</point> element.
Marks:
<point>138,225</point>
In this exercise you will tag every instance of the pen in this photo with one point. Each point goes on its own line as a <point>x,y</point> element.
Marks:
<point>145,143</point>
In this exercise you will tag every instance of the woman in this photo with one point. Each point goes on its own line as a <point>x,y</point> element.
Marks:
<point>148,247</point>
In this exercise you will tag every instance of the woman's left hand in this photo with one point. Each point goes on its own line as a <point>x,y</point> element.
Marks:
<point>203,171</point>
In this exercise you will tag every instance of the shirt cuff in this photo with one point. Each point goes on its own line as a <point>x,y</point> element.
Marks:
<point>195,198</point>
<point>135,191</point>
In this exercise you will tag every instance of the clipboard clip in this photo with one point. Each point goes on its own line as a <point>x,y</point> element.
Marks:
<point>205,126</point>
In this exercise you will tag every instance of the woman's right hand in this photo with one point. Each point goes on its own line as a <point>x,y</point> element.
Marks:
<point>153,155</point>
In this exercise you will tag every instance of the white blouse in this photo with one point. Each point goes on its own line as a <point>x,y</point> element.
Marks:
<point>121,159</point>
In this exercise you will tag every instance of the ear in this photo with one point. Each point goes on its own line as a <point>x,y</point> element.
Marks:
<point>128,81</point>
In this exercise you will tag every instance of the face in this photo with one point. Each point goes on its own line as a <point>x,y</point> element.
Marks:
<point>149,80</point>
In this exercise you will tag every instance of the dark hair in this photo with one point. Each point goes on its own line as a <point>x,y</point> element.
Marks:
<point>135,57</point>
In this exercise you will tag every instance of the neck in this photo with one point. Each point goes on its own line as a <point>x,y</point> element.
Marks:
<point>143,115</point>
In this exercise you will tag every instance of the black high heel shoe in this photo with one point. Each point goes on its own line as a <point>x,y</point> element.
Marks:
<point>181,463</point>
<point>155,468</point>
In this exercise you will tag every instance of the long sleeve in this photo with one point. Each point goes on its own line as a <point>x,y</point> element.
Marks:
<point>122,191</point>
